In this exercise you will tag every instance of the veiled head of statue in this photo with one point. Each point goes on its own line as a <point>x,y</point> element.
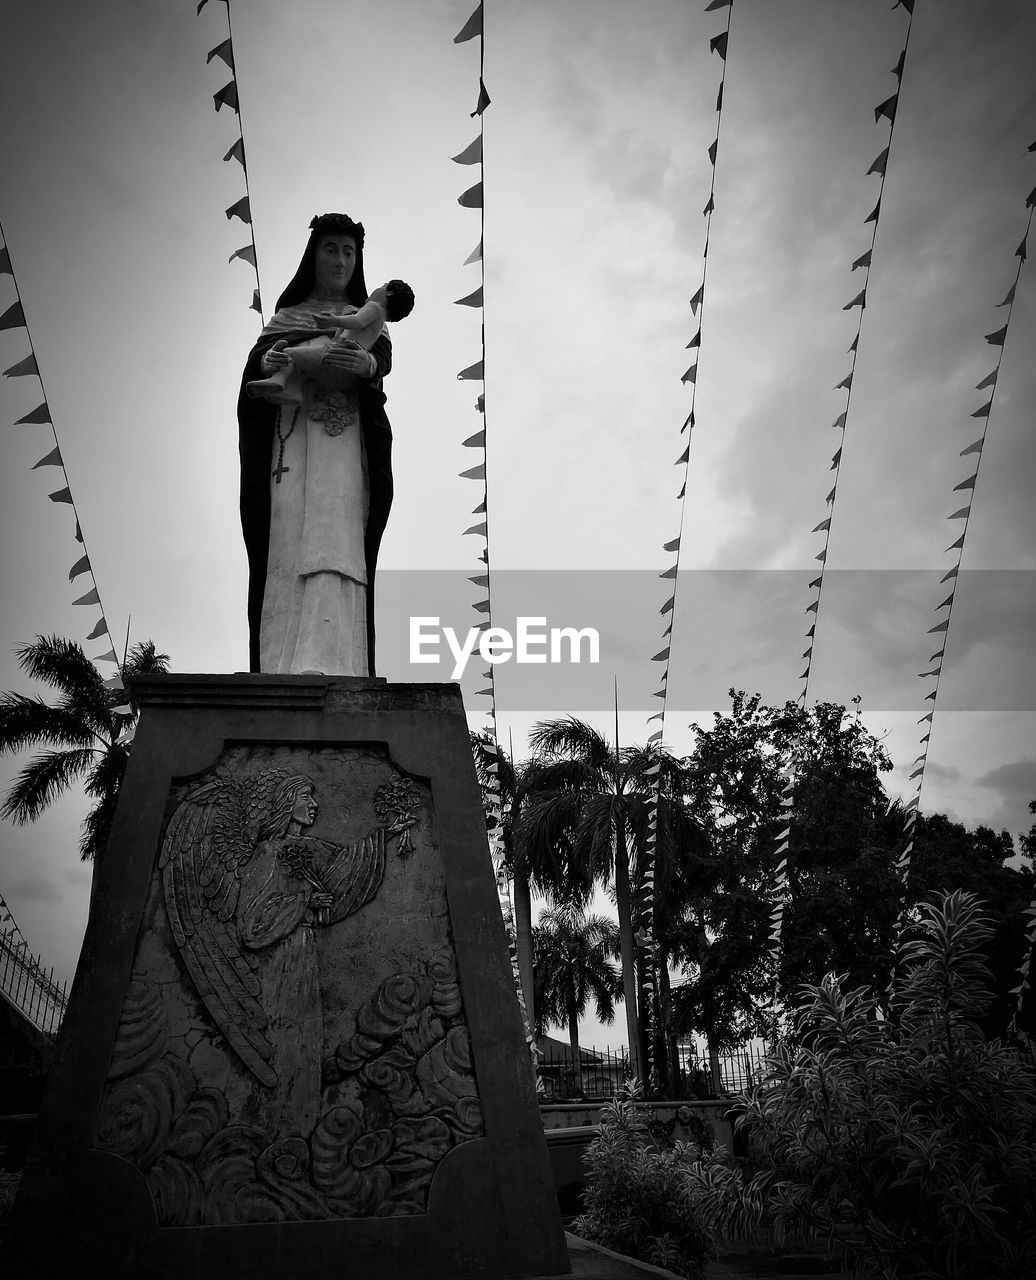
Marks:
<point>303,283</point>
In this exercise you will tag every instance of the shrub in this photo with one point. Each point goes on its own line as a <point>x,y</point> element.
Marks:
<point>640,1201</point>
<point>915,1130</point>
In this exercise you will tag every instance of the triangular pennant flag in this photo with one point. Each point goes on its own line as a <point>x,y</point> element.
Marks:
<point>712,150</point>
<point>481,606</point>
<point>942,626</point>
<point>237,152</point>
<point>710,207</point>
<point>227,96</point>
<point>472,198</point>
<point>812,608</point>
<point>1020,251</point>
<point>655,737</point>
<point>471,28</point>
<point>99,629</point>
<point>864,260</point>
<point>961,513</point>
<point>972,448</point>
<point>691,375</point>
<point>480,403</point>
<point>815,583</point>
<point>722,4</point>
<point>80,566</point>
<point>472,371</point>
<point>474,256</point>
<point>696,300</point>
<point>1010,296</point>
<point>661,656</point>
<point>480,510</point>
<point>835,460</point>
<point>694,342</point>
<point>1030,199</point>
<point>62,495</point>
<point>668,606</point>
<point>830,498</point>
<point>671,546</point>
<point>839,421</point>
<point>997,339</point>
<point>106,657</point>
<point>822,557</point>
<point>5,262</point>
<point>471,154</point>
<point>683,456</point>
<point>12,317</point>
<point>658,715</point>
<point>718,44</point>
<point>988,381</point>
<point>91,597</point>
<point>969,483</point>
<point>476,473</point>
<point>669,573</point>
<point>668,631</point>
<point>874,213</point>
<point>53,459</point>
<point>240,209</point>
<point>688,422</point>
<point>683,490</point>
<point>824,524</point>
<point>950,573</point>
<point>940,654</point>
<point>246,253</point>
<point>808,653</point>
<point>945,604</point>
<point>846,382</point>
<point>79,533</point>
<point>812,630</point>
<point>470,300</point>
<point>719,98</point>
<point>480,579</point>
<point>879,164</point>
<point>477,528</point>
<point>483,99</point>
<point>983,410</point>
<point>859,301</point>
<point>956,546</point>
<point>887,109</point>
<point>855,342</point>
<point>38,415</point>
<point>23,368</point>
<point>256,304</point>
<point>473,442</point>
<point>224,51</point>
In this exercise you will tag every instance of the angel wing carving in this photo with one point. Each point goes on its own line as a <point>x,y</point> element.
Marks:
<point>206,846</point>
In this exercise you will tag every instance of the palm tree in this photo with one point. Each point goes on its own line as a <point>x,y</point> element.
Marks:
<point>572,967</point>
<point>544,875</point>
<point>588,800</point>
<point>88,739</point>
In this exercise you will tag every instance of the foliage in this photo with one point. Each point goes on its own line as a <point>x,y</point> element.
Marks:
<point>641,1202</point>
<point>915,1129</point>
<point>573,967</point>
<point>88,739</point>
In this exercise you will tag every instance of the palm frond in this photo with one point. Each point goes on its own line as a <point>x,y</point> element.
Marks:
<point>58,662</point>
<point>570,736</point>
<point>42,780</point>
<point>95,828</point>
<point>27,721</point>
<point>569,775</point>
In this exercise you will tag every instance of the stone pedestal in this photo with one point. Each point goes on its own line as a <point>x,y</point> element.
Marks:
<point>293,1047</point>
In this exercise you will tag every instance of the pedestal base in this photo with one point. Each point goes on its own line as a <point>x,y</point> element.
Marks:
<point>293,1046</point>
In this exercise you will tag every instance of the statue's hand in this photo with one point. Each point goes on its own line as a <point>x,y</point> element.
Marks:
<point>350,357</point>
<point>328,321</point>
<point>277,357</point>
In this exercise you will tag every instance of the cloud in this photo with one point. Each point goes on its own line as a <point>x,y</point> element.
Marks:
<point>35,888</point>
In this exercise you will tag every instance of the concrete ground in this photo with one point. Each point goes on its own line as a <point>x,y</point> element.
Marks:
<point>592,1262</point>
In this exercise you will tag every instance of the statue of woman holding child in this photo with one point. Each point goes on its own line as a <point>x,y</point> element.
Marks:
<point>316,460</point>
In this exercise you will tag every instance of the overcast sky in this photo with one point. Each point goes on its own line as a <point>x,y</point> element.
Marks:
<point>596,175</point>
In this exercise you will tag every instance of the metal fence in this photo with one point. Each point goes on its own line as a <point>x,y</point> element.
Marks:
<point>602,1073</point>
<point>30,988</point>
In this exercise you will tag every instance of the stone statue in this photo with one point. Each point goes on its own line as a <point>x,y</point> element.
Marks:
<point>316,460</point>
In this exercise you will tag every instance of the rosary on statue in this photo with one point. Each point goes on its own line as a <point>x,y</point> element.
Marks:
<point>281,469</point>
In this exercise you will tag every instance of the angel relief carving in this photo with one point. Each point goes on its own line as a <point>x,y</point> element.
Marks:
<point>244,888</point>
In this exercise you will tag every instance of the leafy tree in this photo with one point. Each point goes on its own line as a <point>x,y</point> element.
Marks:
<point>572,969</point>
<point>541,868</point>
<point>590,801</point>
<point>87,740</point>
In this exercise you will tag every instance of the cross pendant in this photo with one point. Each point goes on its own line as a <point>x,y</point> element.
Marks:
<point>281,469</point>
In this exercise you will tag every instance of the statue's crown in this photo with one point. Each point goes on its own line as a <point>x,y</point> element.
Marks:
<point>329,224</point>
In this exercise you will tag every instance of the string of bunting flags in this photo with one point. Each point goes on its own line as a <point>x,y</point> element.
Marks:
<point>14,318</point>
<point>885,110</point>
<point>646,903</point>
<point>473,198</point>
<point>997,340</point>
<point>228,97</point>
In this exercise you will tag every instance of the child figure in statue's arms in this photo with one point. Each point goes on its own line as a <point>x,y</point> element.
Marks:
<point>392,301</point>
